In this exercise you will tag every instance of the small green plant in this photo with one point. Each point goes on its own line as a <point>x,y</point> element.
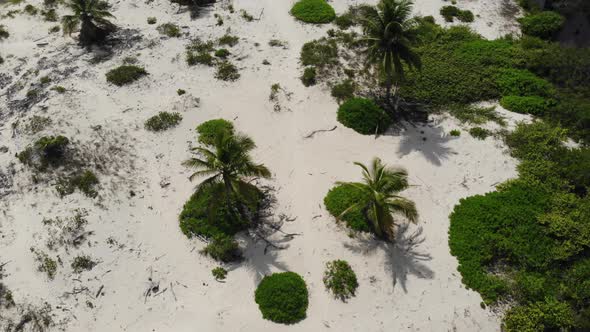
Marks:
<point>180,92</point>
<point>59,89</point>
<point>125,74</point>
<point>344,21</point>
<point>274,92</point>
<point>344,90</point>
<point>46,263</point>
<point>38,123</point>
<point>219,273</point>
<point>282,297</point>
<point>476,115</point>
<point>340,279</point>
<point>525,105</point>
<point>219,19</point>
<point>152,20</point>
<point>3,32</point>
<point>544,24</point>
<point>364,116</point>
<point>49,15</point>
<point>45,80</point>
<point>163,121</point>
<point>31,10</point>
<point>455,132</point>
<point>222,53</point>
<point>450,12</point>
<point>85,182</point>
<point>227,71</point>
<point>169,29</point>
<point>309,76</point>
<point>313,11</point>
<point>82,263</point>
<point>277,43</point>
<point>223,248</point>
<point>321,53</point>
<point>228,40</point>
<point>54,29</point>
<point>198,52</point>
<point>479,133</point>
<point>246,16</point>
<point>209,129</point>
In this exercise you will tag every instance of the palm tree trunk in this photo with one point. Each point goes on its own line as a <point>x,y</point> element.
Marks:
<point>90,33</point>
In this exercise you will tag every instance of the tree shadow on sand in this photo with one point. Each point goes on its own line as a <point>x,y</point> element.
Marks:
<point>402,257</point>
<point>429,139</point>
<point>259,259</point>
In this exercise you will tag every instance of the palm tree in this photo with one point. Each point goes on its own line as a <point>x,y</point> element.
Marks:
<point>93,17</point>
<point>389,33</point>
<point>380,187</point>
<point>229,162</point>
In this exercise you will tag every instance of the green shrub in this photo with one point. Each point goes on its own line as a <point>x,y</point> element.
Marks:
<point>163,121</point>
<point>340,279</point>
<point>450,12</point>
<point>364,116</point>
<point>465,16</point>
<point>49,15</point>
<point>54,29</point>
<point>59,89</point>
<point>222,53</point>
<point>525,105</point>
<point>125,74</point>
<point>550,315</point>
<point>31,10</point>
<point>246,16</point>
<point>219,273</point>
<point>169,29</point>
<point>537,141</point>
<point>45,80</point>
<point>197,52</point>
<point>223,248</point>
<point>479,133</point>
<point>345,21</point>
<point>46,263</point>
<point>180,92</point>
<point>227,71</point>
<point>320,53</point>
<point>476,115</point>
<point>228,40</point>
<point>455,132</point>
<point>52,148</point>
<point>208,130</point>
<point>543,24</point>
<point>340,198</point>
<point>309,76</point>
<point>313,11</point>
<point>3,32</point>
<point>151,20</point>
<point>515,82</point>
<point>282,297</point>
<point>344,90</point>
<point>83,263</point>
<point>85,182</point>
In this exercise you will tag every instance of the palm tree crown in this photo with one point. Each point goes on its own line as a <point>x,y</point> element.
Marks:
<point>229,162</point>
<point>93,16</point>
<point>389,33</point>
<point>380,187</point>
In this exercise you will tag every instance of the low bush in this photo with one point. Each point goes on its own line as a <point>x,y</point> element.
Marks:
<point>152,20</point>
<point>208,130</point>
<point>450,12</point>
<point>246,16</point>
<point>223,248</point>
<point>455,133</point>
<point>321,53</point>
<point>345,21</point>
<point>542,24</point>
<point>479,133</point>
<point>277,43</point>
<point>198,52</point>
<point>82,263</point>
<point>344,90</point>
<point>313,11</point>
<point>180,92</point>
<point>163,121</point>
<point>282,297</point>
<point>476,115</point>
<point>52,148</point>
<point>516,82</point>
<point>525,105</point>
<point>549,315</point>
<point>31,10</point>
<point>85,182</point>
<point>3,32</point>
<point>309,76</point>
<point>222,53</point>
<point>59,89</point>
<point>169,29</point>
<point>219,273</point>
<point>227,71</point>
<point>340,279</point>
<point>228,40</point>
<point>125,74</point>
<point>340,198</point>
<point>49,15</point>
<point>364,116</point>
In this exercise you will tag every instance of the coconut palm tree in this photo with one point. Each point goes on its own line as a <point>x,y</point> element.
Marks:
<point>380,187</point>
<point>229,162</point>
<point>389,33</point>
<point>93,18</point>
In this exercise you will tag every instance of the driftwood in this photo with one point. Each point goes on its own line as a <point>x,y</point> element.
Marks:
<point>99,291</point>
<point>319,131</point>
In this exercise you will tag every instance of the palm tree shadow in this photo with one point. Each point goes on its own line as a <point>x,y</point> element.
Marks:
<point>402,257</point>
<point>430,140</point>
<point>258,258</point>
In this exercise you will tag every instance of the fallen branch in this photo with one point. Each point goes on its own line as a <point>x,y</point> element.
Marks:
<point>99,291</point>
<point>319,131</point>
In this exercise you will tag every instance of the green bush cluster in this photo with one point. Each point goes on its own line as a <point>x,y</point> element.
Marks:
<point>85,181</point>
<point>534,105</point>
<point>223,248</point>
<point>222,53</point>
<point>340,198</point>
<point>313,11</point>
<point>309,76</point>
<point>479,133</point>
<point>320,53</point>
<point>344,90</point>
<point>228,40</point>
<point>169,29</point>
<point>209,129</point>
<point>163,121</point>
<point>83,263</point>
<point>125,74</point>
<point>340,279</point>
<point>450,12</point>
<point>542,24</point>
<point>516,82</point>
<point>219,273</point>
<point>46,151</point>
<point>3,32</point>
<point>282,297</point>
<point>199,52</point>
<point>345,21</point>
<point>152,20</point>
<point>227,71</point>
<point>364,116</point>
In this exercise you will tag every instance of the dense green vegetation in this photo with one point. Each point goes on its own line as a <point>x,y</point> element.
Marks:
<point>542,24</point>
<point>450,12</point>
<point>163,121</point>
<point>46,151</point>
<point>282,297</point>
<point>209,129</point>
<point>93,19</point>
<point>340,279</point>
<point>169,29</point>
<point>364,116</point>
<point>340,198</point>
<point>313,11</point>
<point>125,74</point>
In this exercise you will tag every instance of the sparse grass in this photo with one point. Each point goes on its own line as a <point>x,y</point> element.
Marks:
<point>37,124</point>
<point>59,89</point>
<point>274,91</point>
<point>125,74</point>
<point>163,121</point>
<point>169,29</point>
<point>46,263</point>
<point>228,40</point>
<point>476,115</point>
<point>246,16</point>
<point>45,80</point>
<point>31,10</point>
<point>340,279</point>
<point>86,182</point>
<point>479,133</point>
<point>277,43</point>
<point>455,133</point>
<point>198,52</point>
<point>309,76</point>
<point>219,273</point>
<point>222,53</point>
<point>82,263</point>
<point>226,71</point>
<point>223,248</point>
<point>152,20</point>
<point>450,12</point>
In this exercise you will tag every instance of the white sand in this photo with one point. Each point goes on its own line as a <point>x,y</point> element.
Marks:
<point>413,285</point>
